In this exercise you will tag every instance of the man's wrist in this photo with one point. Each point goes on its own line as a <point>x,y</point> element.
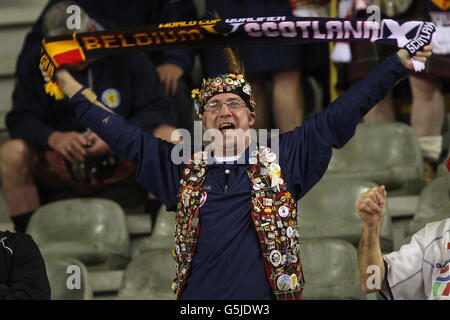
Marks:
<point>372,227</point>
<point>67,83</point>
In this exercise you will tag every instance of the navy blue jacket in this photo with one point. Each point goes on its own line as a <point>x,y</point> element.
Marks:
<point>129,83</point>
<point>227,262</point>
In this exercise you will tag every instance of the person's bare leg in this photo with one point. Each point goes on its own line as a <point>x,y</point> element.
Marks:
<point>16,167</point>
<point>427,117</point>
<point>383,111</point>
<point>258,85</point>
<point>427,112</point>
<point>288,102</point>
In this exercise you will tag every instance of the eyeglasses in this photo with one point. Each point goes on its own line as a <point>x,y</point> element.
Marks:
<point>215,106</point>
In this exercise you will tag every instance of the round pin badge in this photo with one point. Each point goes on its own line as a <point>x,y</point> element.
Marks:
<point>275,167</point>
<point>252,160</point>
<point>290,232</point>
<point>201,172</point>
<point>111,97</point>
<point>271,157</point>
<point>275,258</point>
<point>203,198</point>
<point>283,211</point>
<point>294,258</point>
<point>247,89</point>
<point>284,282</point>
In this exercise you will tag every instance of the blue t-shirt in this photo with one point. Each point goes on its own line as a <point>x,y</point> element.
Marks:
<point>228,263</point>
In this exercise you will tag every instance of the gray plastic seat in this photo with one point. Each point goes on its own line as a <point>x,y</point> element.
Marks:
<point>330,268</point>
<point>386,153</point>
<point>162,236</point>
<point>90,230</point>
<point>328,211</point>
<point>63,276</point>
<point>434,204</point>
<point>149,277</point>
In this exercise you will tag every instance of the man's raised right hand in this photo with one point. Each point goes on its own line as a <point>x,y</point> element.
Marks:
<point>370,206</point>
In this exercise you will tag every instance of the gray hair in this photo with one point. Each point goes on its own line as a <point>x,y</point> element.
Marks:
<point>59,19</point>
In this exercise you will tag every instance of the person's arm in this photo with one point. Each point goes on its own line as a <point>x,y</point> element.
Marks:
<point>309,147</point>
<point>370,206</point>
<point>28,274</point>
<point>155,171</point>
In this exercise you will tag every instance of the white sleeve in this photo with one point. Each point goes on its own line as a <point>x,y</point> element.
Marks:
<point>404,278</point>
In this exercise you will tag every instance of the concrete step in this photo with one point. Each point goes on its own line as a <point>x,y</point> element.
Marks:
<point>19,12</point>
<point>105,281</point>
<point>138,224</point>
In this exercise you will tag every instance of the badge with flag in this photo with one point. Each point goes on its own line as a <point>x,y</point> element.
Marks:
<point>441,286</point>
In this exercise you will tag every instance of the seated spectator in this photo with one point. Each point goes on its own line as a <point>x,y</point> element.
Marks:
<point>22,270</point>
<point>419,270</point>
<point>50,149</point>
<point>174,66</point>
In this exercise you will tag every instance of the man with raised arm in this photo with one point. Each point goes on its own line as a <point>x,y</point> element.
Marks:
<point>236,223</point>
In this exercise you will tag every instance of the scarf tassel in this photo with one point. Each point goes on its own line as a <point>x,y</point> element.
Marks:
<point>52,89</point>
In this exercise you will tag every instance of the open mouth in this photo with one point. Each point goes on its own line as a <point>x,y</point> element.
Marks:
<point>226,126</point>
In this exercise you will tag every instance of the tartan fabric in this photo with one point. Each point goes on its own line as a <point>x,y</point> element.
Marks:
<point>56,164</point>
<point>366,56</point>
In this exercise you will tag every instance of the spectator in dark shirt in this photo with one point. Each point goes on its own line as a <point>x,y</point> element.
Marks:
<point>22,270</point>
<point>174,66</point>
<point>50,149</point>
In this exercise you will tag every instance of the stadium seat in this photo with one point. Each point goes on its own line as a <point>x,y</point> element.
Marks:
<point>149,277</point>
<point>385,153</point>
<point>330,268</point>
<point>161,237</point>
<point>91,230</point>
<point>328,211</point>
<point>434,204</point>
<point>68,279</point>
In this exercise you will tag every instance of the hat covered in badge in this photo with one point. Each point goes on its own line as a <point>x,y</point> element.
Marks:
<point>233,82</point>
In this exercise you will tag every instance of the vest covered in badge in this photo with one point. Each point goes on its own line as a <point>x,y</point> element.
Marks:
<point>274,215</point>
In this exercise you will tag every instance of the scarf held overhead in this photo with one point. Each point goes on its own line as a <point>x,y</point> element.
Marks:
<point>259,31</point>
